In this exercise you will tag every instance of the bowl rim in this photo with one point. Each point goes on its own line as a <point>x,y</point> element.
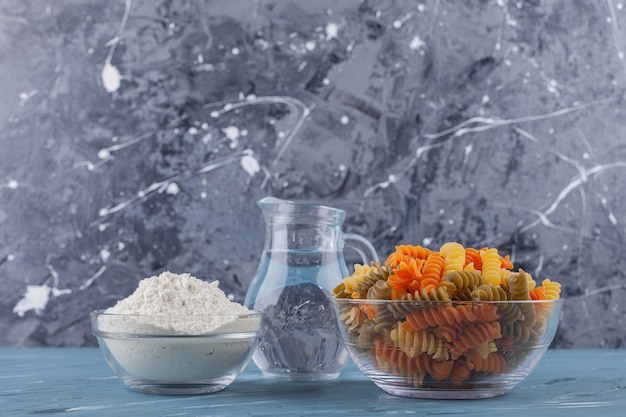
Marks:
<point>429,303</point>
<point>98,317</point>
<point>104,313</point>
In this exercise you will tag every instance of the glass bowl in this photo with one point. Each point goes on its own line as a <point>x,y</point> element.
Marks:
<point>176,354</point>
<point>446,350</point>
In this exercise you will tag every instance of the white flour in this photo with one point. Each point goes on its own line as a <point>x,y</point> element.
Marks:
<point>171,300</point>
<point>222,334</point>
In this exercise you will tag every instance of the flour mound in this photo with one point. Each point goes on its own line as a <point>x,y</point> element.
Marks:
<point>173,299</point>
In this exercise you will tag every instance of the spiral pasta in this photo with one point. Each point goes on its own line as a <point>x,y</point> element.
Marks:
<point>488,292</point>
<point>418,342</point>
<point>454,314</point>
<point>450,315</point>
<point>552,289</point>
<point>432,272</point>
<point>464,280</point>
<point>518,287</point>
<point>454,255</point>
<point>404,253</point>
<point>491,266</point>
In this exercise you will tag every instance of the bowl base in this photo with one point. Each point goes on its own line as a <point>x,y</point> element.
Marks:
<point>445,394</point>
<point>176,389</point>
<point>301,376</point>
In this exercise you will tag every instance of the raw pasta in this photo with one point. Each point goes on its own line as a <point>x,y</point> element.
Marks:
<point>453,314</point>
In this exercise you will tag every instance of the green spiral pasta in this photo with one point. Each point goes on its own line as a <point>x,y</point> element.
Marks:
<point>488,292</point>
<point>408,304</point>
<point>518,287</point>
<point>464,279</point>
<point>377,272</point>
<point>379,291</point>
<point>383,321</point>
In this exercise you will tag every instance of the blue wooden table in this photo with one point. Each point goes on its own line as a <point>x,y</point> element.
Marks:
<point>77,381</point>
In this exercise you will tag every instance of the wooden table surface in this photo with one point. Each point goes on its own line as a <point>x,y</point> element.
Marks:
<point>77,381</point>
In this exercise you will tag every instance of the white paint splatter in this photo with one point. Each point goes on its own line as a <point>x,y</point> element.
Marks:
<point>397,24</point>
<point>232,134</point>
<point>331,30</point>
<point>172,189</point>
<point>12,184</point>
<point>110,75</point>
<point>250,164</point>
<point>235,51</point>
<point>104,154</point>
<point>468,149</point>
<point>24,97</point>
<point>36,298</point>
<point>552,86</point>
<point>417,43</point>
<point>111,78</point>
<point>105,254</point>
<point>344,120</point>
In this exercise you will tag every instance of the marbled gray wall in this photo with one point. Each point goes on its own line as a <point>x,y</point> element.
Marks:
<point>136,136</point>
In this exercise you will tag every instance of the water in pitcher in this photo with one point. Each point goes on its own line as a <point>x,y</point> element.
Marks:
<point>302,261</point>
<point>299,338</point>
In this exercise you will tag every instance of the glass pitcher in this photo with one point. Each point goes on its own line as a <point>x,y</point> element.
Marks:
<point>301,263</point>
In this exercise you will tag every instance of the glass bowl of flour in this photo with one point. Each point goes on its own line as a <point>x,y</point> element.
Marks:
<point>177,334</point>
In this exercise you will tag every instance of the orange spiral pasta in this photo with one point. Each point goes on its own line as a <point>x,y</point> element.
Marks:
<point>472,256</point>
<point>473,336</point>
<point>404,274</point>
<point>537,293</point>
<point>460,372</point>
<point>494,362</point>
<point>432,272</point>
<point>404,253</point>
<point>444,316</point>
<point>439,370</point>
<point>393,361</point>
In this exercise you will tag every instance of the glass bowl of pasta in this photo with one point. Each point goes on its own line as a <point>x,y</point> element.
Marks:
<point>418,329</point>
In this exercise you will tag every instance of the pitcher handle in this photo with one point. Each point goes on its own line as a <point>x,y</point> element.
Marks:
<point>363,247</point>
